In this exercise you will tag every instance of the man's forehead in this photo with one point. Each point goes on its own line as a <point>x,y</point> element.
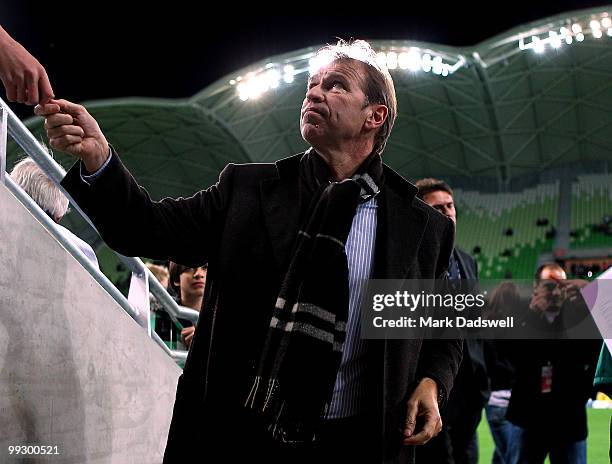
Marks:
<point>346,67</point>
<point>552,272</point>
<point>439,197</point>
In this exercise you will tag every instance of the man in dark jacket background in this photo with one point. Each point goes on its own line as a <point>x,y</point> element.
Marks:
<point>457,443</point>
<point>554,377</point>
<point>277,370</point>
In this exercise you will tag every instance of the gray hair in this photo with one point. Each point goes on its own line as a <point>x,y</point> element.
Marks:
<point>378,86</point>
<point>32,179</point>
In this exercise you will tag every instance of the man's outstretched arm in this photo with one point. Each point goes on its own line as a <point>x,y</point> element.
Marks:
<point>183,230</point>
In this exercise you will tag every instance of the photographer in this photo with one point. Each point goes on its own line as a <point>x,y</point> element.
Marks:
<point>554,377</point>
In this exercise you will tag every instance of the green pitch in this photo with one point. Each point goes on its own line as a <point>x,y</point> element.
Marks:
<point>598,441</point>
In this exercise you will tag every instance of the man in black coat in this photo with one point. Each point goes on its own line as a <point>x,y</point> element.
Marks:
<point>277,370</point>
<point>554,374</point>
<point>457,443</point>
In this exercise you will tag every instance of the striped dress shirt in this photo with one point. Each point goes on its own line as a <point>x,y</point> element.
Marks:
<point>349,389</point>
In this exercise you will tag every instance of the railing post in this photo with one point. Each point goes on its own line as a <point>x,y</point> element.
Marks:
<point>138,296</point>
<point>3,124</point>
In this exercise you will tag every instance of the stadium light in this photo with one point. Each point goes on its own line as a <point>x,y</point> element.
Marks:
<point>426,62</point>
<point>437,65</point>
<point>288,74</point>
<point>392,60</point>
<point>538,45</point>
<point>414,60</point>
<point>555,40</point>
<point>568,33</point>
<point>403,60</point>
<point>274,75</point>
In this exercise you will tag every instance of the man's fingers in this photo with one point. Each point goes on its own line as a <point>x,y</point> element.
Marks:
<point>21,93</point>
<point>431,428</point>
<point>68,107</point>
<point>410,423</point>
<point>63,142</point>
<point>58,120</point>
<point>65,130</point>
<point>44,88</point>
<point>46,109</point>
<point>11,92</point>
<point>32,89</point>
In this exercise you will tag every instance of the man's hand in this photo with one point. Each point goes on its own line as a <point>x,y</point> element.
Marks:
<point>73,130</point>
<point>423,403</point>
<point>24,78</point>
<point>187,335</point>
<point>540,301</point>
<point>572,287</point>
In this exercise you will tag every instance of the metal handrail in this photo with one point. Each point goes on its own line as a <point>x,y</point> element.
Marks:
<point>26,140</point>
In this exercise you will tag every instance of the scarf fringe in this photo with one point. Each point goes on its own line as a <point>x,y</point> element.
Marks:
<point>256,391</point>
<point>253,393</point>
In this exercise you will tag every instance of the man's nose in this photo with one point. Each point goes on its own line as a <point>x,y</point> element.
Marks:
<point>314,93</point>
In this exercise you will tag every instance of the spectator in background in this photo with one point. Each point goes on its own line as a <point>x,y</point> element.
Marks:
<point>457,443</point>
<point>554,378</point>
<point>24,78</point>
<point>160,272</point>
<point>505,301</point>
<point>31,178</point>
<point>603,380</point>
<point>189,284</point>
<point>163,276</point>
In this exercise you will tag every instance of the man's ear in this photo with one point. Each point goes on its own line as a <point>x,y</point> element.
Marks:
<point>377,117</point>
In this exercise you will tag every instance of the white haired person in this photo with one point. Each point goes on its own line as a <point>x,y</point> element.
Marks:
<point>278,371</point>
<point>32,179</point>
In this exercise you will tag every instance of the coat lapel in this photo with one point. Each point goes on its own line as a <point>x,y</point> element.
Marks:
<point>400,230</point>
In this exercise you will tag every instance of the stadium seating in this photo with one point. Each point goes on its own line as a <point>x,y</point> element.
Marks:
<point>591,203</point>
<point>484,222</point>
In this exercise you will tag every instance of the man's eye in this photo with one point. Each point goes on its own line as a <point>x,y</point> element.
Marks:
<point>337,84</point>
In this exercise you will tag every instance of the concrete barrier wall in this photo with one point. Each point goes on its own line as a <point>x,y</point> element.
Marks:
<point>76,372</point>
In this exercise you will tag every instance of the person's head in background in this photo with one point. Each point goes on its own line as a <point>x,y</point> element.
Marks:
<point>548,291</point>
<point>505,299</point>
<point>189,284</point>
<point>40,188</point>
<point>437,194</point>
<point>160,272</point>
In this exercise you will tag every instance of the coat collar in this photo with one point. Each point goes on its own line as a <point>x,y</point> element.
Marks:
<point>400,225</point>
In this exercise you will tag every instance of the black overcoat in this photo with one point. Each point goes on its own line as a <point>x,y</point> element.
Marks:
<point>244,226</point>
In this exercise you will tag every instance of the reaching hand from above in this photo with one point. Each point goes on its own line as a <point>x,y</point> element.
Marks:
<point>24,78</point>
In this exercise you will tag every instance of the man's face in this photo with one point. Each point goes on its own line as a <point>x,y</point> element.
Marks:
<point>334,108</point>
<point>192,282</point>
<point>443,202</point>
<point>549,293</point>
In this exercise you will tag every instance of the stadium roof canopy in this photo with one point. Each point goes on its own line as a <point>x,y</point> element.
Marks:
<point>537,96</point>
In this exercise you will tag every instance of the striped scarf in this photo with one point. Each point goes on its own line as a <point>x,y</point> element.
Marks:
<point>303,348</point>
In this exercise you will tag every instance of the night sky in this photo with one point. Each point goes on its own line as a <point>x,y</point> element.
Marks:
<point>92,50</point>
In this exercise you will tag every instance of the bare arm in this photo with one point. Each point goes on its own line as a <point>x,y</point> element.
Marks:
<point>24,78</point>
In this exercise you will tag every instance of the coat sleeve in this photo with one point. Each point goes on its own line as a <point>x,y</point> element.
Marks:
<point>184,230</point>
<point>440,359</point>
